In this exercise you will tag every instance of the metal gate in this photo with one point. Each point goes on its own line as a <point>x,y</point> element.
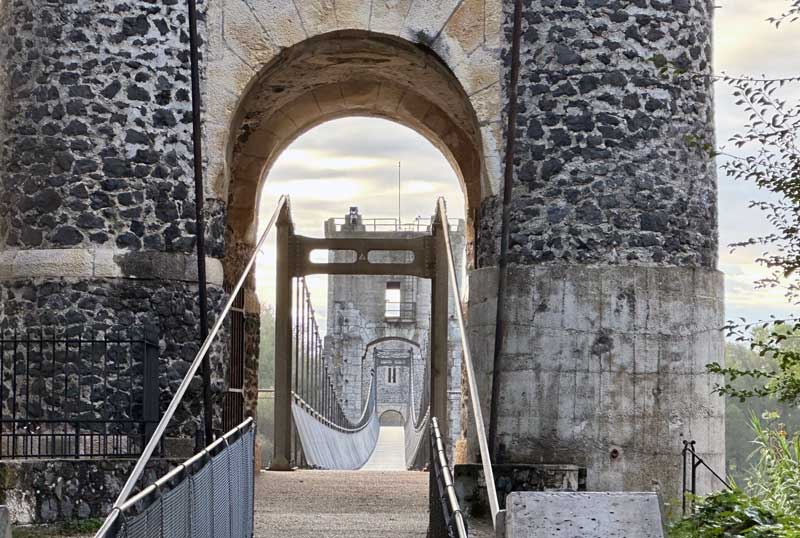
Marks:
<point>233,401</point>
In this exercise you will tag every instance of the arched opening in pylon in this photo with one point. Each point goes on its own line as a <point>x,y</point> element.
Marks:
<point>343,75</point>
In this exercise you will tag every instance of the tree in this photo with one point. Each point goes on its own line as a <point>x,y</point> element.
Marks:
<point>767,153</point>
<point>266,350</point>
<point>738,414</point>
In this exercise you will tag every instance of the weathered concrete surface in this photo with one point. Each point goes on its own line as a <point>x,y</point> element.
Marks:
<point>584,515</point>
<point>341,504</point>
<point>327,448</point>
<point>604,367</point>
<point>389,453</point>
<point>471,484</point>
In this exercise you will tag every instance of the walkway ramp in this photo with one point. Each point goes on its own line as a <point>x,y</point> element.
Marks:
<point>341,504</point>
<point>389,453</point>
<point>587,515</point>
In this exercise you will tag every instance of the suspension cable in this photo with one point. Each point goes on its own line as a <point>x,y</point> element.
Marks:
<point>474,396</point>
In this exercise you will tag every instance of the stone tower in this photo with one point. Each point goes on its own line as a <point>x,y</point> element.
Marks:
<point>383,322</point>
<point>613,302</point>
<point>97,205</point>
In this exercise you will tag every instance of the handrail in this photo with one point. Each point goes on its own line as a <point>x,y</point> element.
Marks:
<point>447,487</point>
<point>357,426</point>
<point>697,461</point>
<point>138,469</point>
<point>185,465</point>
<point>474,396</point>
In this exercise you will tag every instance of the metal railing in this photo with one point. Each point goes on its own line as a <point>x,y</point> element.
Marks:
<point>393,224</point>
<point>400,311</point>
<point>91,396</point>
<point>469,367</point>
<point>454,520</point>
<point>417,420</point>
<point>327,445</point>
<point>209,495</point>
<point>691,462</point>
<point>155,439</point>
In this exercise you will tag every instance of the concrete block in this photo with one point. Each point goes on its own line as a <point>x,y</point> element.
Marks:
<point>104,264</point>
<point>588,515</point>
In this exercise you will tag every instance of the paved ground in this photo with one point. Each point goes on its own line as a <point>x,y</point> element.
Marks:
<point>380,500</point>
<point>389,454</point>
<point>341,504</point>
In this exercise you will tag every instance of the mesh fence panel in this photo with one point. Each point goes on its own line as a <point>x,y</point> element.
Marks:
<point>221,494</point>
<point>236,466</point>
<point>154,520</point>
<point>201,503</point>
<point>175,511</point>
<point>214,502</point>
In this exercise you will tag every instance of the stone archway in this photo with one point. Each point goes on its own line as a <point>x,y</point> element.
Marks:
<point>348,73</point>
<point>334,75</point>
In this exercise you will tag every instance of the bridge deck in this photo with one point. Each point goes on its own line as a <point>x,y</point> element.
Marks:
<point>341,504</point>
<point>389,453</point>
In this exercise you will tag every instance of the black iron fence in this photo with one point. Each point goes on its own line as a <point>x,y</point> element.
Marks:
<point>691,462</point>
<point>76,396</point>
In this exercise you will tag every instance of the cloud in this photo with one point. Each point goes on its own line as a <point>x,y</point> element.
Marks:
<point>346,162</point>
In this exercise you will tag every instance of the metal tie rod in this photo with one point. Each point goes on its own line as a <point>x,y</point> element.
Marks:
<point>477,412</point>
<point>176,399</point>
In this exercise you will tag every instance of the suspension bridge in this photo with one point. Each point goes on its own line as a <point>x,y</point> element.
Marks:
<point>359,479</point>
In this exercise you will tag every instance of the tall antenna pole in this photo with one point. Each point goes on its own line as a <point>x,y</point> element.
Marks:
<point>399,221</point>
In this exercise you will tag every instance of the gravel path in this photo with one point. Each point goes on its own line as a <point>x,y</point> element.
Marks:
<point>341,504</point>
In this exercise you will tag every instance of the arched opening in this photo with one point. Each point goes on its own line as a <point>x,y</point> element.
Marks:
<point>341,74</point>
<point>392,419</point>
<point>333,76</point>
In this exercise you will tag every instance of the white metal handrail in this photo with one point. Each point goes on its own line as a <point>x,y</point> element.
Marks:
<point>440,465</point>
<point>198,360</point>
<point>474,396</point>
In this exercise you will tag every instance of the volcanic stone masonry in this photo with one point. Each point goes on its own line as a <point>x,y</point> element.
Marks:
<point>613,302</point>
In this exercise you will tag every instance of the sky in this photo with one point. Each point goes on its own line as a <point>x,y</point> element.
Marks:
<point>354,161</point>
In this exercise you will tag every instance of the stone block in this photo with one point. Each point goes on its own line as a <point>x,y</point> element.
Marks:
<point>73,262</point>
<point>388,15</point>
<point>588,515</point>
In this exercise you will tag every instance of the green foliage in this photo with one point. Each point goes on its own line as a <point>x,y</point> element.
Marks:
<point>736,514</point>
<point>738,426</point>
<point>266,349</point>
<point>775,477</point>
<point>777,375</point>
<point>769,507</point>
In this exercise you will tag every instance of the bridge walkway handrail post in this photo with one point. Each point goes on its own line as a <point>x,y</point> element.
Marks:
<point>158,433</point>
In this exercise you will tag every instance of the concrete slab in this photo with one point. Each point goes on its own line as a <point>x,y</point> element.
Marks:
<point>583,515</point>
